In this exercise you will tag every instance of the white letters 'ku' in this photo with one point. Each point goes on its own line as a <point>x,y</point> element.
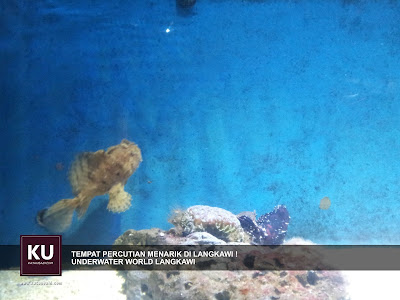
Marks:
<point>32,252</point>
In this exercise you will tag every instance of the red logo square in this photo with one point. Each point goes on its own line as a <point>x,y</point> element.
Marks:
<point>40,255</point>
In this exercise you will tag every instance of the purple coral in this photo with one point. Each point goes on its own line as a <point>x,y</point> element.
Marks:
<point>270,228</point>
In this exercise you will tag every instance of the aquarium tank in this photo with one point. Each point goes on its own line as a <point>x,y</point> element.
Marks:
<point>217,122</point>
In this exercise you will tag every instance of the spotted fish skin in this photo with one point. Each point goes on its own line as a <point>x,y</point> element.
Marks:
<point>93,174</point>
<point>270,228</point>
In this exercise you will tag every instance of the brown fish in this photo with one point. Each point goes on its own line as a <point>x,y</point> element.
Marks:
<point>94,174</point>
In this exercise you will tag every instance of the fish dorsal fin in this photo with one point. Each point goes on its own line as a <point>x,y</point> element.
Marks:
<point>82,167</point>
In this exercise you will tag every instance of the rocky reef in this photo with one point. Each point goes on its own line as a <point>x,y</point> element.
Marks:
<point>226,285</point>
<point>205,225</point>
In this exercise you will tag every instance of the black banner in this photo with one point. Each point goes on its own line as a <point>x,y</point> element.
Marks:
<point>217,257</point>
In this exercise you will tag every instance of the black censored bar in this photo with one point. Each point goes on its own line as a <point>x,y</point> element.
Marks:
<point>227,257</point>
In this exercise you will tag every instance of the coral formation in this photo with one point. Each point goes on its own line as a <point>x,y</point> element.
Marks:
<point>202,238</point>
<point>204,225</point>
<point>143,237</point>
<point>93,174</point>
<point>269,229</point>
<point>155,236</point>
<point>214,220</point>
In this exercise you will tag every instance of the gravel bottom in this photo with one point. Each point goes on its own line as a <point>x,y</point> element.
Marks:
<point>71,285</point>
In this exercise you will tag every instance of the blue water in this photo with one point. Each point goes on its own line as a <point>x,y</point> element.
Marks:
<point>242,105</point>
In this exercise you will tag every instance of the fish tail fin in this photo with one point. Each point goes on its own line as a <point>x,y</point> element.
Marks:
<point>58,217</point>
<point>83,205</point>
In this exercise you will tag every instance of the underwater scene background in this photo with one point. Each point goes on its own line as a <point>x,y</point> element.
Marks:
<point>242,105</point>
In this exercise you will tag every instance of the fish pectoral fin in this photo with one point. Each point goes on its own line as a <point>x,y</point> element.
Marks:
<point>120,200</point>
<point>58,217</point>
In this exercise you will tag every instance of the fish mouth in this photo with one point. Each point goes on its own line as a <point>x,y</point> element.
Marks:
<point>39,217</point>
